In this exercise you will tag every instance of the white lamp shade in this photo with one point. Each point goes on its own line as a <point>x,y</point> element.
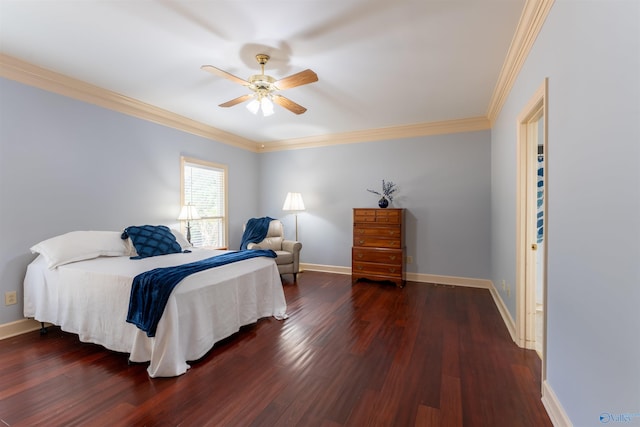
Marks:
<point>293,202</point>
<point>253,106</point>
<point>188,213</point>
<point>267,106</point>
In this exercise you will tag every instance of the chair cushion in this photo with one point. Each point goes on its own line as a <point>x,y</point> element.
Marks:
<point>284,257</point>
<point>275,229</point>
<point>274,243</point>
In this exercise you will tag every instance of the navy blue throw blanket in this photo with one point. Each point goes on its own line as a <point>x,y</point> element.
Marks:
<point>255,231</point>
<point>150,290</point>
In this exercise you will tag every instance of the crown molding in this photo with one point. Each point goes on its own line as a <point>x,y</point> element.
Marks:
<point>531,21</point>
<point>532,18</point>
<point>32,75</point>
<point>388,133</point>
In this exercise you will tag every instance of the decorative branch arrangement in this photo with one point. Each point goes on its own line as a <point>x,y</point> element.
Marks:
<point>388,188</point>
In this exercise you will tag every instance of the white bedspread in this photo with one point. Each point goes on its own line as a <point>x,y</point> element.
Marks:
<point>91,299</point>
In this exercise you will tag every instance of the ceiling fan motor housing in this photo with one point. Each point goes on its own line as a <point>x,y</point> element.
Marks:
<point>262,82</point>
<point>262,58</point>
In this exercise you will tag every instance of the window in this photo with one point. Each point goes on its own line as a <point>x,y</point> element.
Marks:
<point>204,185</point>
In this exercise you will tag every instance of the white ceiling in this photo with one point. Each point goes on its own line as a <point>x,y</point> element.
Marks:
<point>380,63</point>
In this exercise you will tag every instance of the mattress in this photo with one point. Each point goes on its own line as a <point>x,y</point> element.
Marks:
<point>91,298</point>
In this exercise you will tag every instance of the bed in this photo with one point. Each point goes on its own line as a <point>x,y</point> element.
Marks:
<point>90,297</point>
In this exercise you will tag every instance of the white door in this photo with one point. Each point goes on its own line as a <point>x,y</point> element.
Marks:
<point>531,221</point>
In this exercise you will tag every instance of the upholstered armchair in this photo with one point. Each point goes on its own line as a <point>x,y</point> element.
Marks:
<point>288,251</point>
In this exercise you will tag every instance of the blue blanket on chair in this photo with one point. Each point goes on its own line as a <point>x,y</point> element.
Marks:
<point>150,290</point>
<point>255,231</point>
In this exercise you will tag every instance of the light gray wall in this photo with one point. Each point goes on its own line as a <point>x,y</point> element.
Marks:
<point>590,51</point>
<point>443,182</point>
<point>67,165</point>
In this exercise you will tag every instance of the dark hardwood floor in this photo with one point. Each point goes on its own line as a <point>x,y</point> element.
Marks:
<point>364,355</point>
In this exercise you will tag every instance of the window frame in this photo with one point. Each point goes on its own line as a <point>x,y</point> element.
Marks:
<point>192,161</point>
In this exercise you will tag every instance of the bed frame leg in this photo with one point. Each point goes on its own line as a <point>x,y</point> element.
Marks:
<point>43,329</point>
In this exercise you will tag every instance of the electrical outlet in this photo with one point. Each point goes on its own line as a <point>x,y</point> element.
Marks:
<point>409,260</point>
<point>10,298</point>
<point>504,285</point>
<point>508,290</point>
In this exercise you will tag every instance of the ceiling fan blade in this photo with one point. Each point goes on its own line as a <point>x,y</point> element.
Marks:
<point>222,73</point>
<point>236,101</point>
<point>288,104</point>
<point>298,79</point>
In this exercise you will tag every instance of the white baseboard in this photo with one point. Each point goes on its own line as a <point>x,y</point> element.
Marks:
<point>325,268</point>
<point>413,277</point>
<point>555,410</point>
<point>504,312</point>
<point>18,327</point>
<point>449,280</point>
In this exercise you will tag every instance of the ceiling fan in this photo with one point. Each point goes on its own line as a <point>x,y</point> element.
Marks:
<point>264,88</point>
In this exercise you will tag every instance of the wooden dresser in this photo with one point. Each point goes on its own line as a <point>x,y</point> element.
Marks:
<point>378,245</point>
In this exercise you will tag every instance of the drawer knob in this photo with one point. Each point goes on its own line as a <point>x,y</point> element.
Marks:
<point>392,270</point>
<point>359,267</point>
<point>392,257</point>
<point>360,256</point>
<point>361,241</point>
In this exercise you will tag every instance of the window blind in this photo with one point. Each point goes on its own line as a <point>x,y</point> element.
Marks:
<point>204,186</point>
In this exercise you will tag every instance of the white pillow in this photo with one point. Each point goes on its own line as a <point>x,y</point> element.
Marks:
<point>80,245</point>
<point>182,241</point>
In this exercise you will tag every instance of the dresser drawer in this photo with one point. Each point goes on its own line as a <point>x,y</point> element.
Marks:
<point>377,242</point>
<point>391,216</point>
<point>385,256</point>
<point>387,231</point>
<point>375,269</point>
<point>382,216</point>
<point>364,215</point>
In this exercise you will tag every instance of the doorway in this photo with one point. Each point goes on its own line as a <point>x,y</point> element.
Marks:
<point>531,219</point>
<point>539,239</point>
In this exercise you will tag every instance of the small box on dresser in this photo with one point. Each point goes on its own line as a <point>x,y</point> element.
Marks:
<point>378,245</point>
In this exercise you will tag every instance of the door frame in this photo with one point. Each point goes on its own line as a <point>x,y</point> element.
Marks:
<point>526,154</point>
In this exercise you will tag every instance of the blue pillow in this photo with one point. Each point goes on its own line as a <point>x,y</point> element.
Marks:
<point>152,240</point>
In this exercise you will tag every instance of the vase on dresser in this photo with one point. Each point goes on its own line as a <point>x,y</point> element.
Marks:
<point>383,202</point>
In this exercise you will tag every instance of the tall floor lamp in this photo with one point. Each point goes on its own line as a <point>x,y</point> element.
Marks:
<point>188,213</point>
<point>294,203</point>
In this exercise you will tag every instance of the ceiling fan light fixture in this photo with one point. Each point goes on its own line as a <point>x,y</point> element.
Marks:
<point>253,106</point>
<point>267,106</point>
